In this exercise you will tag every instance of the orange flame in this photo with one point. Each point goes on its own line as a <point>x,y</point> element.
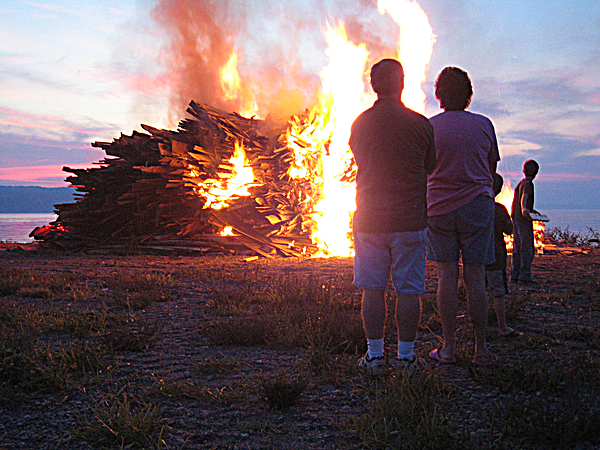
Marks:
<point>232,88</point>
<point>415,47</point>
<point>235,178</point>
<point>505,197</point>
<point>343,98</point>
<point>319,143</point>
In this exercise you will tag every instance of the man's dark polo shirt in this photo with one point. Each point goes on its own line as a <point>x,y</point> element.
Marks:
<point>394,150</point>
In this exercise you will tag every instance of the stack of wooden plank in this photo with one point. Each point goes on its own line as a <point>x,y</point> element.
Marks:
<point>152,192</point>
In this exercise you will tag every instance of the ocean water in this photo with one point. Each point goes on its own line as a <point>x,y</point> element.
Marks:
<point>16,227</point>
<point>578,221</point>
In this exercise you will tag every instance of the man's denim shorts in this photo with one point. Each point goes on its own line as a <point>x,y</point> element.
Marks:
<point>402,253</point>
<point>466,231</point>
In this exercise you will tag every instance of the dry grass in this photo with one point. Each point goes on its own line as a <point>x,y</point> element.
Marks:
<point>70,332</point>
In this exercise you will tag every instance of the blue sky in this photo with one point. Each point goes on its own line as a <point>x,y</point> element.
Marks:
<point>73,72</point>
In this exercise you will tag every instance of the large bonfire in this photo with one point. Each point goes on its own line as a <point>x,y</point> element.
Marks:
<point>225,182</point>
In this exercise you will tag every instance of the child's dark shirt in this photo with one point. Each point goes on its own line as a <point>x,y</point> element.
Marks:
<point>502,225</point>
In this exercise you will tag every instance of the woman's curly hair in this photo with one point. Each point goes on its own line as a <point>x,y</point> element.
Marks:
<point>453,89</point>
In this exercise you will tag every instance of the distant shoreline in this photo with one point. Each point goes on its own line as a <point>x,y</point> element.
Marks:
<point>33,199</point>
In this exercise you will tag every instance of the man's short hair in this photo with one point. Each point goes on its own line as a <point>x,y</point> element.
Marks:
<point>453,89</point>
<point>531,168</point>
<point>387,77</point>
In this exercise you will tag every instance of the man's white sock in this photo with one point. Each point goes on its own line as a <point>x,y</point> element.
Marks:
<point>406,350</point>
<point>375,348</point>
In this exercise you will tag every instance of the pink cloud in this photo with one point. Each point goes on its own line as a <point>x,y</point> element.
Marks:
<point>22,119</point>
<point>514,177</point>
<point>568,177</point>
<point>46,176</point>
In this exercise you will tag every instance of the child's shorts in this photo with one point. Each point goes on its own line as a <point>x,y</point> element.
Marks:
<point>497,282</point>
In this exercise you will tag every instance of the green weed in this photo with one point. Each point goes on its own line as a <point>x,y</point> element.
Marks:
<point>281,391</point>
<point>545,374</point>
<point>121,420</point>
<point>215,365</point>
<point>408,413</point>
<point>565,420</point>
<point>133,335</point>
<point>169,387</point>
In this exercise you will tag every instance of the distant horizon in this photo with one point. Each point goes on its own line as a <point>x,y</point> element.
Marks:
<point>544,199</point>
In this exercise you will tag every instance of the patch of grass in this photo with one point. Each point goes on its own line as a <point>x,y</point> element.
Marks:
<point>565,420</point>
<point>215,365</point>
<point>533,342</point>
<point>544,374</point>
<point>408,413</point>
<point>550,297</point>
<point>30,281</point>
<point>591,291</point>
<point>133,335</point>
<point>135,291</point>
<point>236,301</point>
<point>21,320</point>
<point>80,292</point>
<point>591,336</point>
<point>42,368</point>
<point>169,387</point>
<point>32,370</point>
<point>133,301</point>
<point>121,420</point>
<point>281,391</point>
<point>430,317</point>
<point>80,324</point>
<point>83,359</point>
<point>34,292</point>
<point>139,281</point>
<point>246,332</point>
<point>294,312</point>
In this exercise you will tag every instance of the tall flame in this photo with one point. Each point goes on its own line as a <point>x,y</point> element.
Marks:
<point>415,47</point>
<point>320,143</point>
<point>344,97</point>
<point>232,87</point>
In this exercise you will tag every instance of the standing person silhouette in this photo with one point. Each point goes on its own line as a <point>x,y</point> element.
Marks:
<point>394,151</point>
<point>522,208</point>
<point>495,273</point>
<point>461,210</point>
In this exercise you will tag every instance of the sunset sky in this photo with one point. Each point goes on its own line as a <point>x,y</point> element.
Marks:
<point>74,72</point>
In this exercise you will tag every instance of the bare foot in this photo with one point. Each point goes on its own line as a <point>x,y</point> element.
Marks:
<point>486,359</point>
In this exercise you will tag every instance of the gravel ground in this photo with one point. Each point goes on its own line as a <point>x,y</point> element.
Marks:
<point>230,413</point>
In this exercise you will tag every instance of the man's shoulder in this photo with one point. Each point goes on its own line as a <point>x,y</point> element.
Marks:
<point>417,119</point>
<point>461,116</point>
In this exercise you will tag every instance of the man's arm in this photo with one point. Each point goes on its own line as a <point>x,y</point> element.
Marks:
<point>430,157</point>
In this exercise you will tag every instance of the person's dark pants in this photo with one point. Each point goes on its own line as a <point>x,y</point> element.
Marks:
<point>523,251</point>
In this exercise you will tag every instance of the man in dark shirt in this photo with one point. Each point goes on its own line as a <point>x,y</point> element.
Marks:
<point>394,151</point>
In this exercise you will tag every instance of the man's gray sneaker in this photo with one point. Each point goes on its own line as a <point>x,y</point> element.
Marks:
<point>409,366</point>
<point>372,366</point>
